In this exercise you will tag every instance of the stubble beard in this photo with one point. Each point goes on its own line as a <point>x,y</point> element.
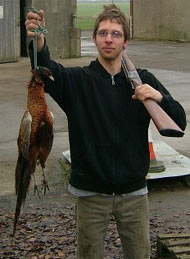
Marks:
<point>111,57</point>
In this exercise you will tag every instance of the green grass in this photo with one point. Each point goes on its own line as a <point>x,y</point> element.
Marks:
<point>87,13</point>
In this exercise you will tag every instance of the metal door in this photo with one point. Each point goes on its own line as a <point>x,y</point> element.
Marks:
<point>9,30</point>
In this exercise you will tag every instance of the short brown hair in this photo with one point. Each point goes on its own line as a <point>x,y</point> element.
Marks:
<point>112,12</point>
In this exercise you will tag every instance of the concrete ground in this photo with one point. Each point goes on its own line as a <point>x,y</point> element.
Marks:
<point>168,61</point>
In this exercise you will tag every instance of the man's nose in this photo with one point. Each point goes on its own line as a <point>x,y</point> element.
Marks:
<point>109,37</point>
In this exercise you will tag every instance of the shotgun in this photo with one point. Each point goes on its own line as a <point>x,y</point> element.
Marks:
<point>165,125</point>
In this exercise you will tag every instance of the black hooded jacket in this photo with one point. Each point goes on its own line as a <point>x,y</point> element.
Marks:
<point>108,130</point>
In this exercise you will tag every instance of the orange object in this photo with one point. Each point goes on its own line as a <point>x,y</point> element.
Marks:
<point>151,150</point>
<point>155,166</point>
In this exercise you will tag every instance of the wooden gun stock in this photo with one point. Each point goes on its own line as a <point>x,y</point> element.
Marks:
<point>165,125</point>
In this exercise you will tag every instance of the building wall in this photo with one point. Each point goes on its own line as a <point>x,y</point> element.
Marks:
<point>161,20</point>
<point>63,38</point>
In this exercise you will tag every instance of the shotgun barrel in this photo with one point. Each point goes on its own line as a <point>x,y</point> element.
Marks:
<point>163,122</point>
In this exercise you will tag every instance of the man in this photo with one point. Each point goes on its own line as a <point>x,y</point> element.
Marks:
<point>108,133</point>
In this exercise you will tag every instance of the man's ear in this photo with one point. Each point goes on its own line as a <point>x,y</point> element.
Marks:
<point>94,40</point>
<point>126,44</point>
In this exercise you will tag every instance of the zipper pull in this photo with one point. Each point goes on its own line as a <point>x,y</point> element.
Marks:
<point>112,79</point>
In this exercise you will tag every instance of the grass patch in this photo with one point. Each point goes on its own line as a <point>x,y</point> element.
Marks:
<point>87,13</point>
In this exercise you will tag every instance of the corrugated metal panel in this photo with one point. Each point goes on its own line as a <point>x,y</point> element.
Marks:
<point>9,30</point>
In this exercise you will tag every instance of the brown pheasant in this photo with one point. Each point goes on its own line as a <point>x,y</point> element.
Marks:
<point>35,137</point>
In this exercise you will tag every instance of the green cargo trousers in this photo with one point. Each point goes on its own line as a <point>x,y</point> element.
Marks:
<point>131,214</point>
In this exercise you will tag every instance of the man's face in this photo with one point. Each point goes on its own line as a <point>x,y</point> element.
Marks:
<point>110,40</point>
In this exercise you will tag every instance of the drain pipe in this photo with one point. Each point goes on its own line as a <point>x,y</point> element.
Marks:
<point>131,19</point>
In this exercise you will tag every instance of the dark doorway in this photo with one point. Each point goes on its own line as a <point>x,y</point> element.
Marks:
<point>23,47</point>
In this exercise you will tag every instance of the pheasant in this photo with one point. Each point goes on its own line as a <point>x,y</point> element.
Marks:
<point>35,137</point>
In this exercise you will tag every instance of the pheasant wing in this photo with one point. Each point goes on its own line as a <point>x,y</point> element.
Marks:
<point>22,174</point>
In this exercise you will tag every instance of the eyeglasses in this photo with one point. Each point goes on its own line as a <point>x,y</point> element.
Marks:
<point>114,34</point>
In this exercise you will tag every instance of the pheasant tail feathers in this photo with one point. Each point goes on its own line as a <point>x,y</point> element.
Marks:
<point>22,182</point>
